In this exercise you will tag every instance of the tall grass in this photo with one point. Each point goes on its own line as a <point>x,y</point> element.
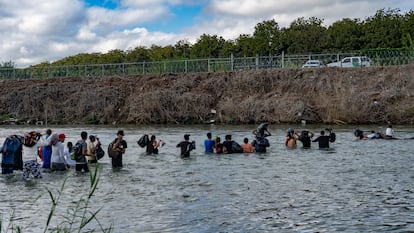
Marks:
<point>76,219</point>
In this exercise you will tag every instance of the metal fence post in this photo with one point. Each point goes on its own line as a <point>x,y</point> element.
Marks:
<point>257,62</point>
<point>283,59</point>
<point>232,62</point>
<point>143,67</point>
<point>208,65</point>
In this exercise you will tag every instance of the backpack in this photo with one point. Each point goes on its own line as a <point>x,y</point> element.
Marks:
<point>54,138</point>
<point>190,146</point>
<point>260,144</point>
<point>143,141</point>
<point>9,149</point>
<point>29,139</point>
<point>77,151</point>
<point>236,148</point>
<point>358,133</point>
<point>263,142</point>
<point>111,152</point>
<point>99,152</point>
<point>332,137</point>
<point>10,145</point>
<point>304,136</point>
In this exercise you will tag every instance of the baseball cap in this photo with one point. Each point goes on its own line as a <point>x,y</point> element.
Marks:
<point>62,135</point>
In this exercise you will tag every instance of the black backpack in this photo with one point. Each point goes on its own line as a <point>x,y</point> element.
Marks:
<point>358,133</point>
<point>143,141</point>
<point>332,137</point>
<point>77,151</point>
<point>236,148</point>
<point>99,152</point>
<point>304,136</point>
<point>111,152</point>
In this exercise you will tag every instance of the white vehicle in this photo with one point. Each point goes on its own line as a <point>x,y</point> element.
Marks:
<point>352,62</point>
<point>312,63</point>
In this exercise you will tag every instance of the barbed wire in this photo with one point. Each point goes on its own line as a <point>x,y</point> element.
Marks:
<point>377,58</point>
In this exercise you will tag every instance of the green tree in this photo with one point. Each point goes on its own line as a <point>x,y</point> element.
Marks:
<point>408,30</point>
<point>113,56</point>
<point>383,30</point>
<point>207,46</point>
<point>266,37</point>
<point>344,35</point>
<point>79,59</point>
<point>7,64</point>
<point>138,54</point>
<point>182,49</point>
<point>229,48</point>
<point>305,36</point>
<point>158,53</point>
<point>244,46</point>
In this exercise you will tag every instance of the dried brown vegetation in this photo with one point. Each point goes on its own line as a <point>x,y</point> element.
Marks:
<point>328,95</point>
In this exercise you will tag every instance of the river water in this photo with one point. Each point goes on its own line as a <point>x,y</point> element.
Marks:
<point>355,186</point>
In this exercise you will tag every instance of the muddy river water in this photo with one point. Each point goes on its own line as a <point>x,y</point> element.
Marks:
<point>355,186</point>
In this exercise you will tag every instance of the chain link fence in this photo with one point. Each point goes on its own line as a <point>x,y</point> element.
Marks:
<point>377,58</point>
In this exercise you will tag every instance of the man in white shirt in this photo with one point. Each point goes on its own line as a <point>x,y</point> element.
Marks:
<point>58,157</point>
<point>389,132</point>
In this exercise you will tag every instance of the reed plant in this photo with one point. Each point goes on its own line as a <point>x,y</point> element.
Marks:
<point>77,218</point>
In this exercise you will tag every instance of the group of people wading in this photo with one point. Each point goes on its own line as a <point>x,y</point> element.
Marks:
<point>24,152</point>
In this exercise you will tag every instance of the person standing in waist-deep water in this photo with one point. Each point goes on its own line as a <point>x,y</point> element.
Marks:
<point>209,144</point>
<point>305,137</point>
<point>323,140</point>
<point>290,139</point>
<point>67,151</point>
<point>58,156</point>
<point>47,151</point>
<point>31,143</point>
<point>81,163</point>
<point>119,147</point>
<point>389,132</point>
<point>218,146</point>
<point>260,142</point>
<point>92,145</point>
<point>186,146</point>
<point>247,147</point>
<point>228,144</point>
<point>152,145</point>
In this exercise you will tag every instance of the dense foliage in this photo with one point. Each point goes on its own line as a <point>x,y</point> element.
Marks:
<point>387,29</point>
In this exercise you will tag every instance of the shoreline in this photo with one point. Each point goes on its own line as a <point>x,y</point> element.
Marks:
<point>336,96</point>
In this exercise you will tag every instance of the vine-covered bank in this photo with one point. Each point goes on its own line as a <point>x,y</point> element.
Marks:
<point>324,95</point>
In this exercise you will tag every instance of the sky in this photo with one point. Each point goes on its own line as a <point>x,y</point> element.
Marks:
<point>35,31</point>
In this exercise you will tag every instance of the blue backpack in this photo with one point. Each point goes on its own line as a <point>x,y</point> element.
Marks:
<point>10,145</point>
<point>9,148</point>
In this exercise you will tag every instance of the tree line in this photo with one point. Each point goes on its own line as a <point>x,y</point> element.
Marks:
<point>387,29</point>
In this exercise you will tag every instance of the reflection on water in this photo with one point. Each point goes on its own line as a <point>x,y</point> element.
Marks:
<point>356,186</point>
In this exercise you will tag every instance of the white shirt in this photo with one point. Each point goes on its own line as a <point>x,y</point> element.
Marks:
<point>389,132</point>
<point>57,153</point>
<point>30,153</point>
<point>69,161</point>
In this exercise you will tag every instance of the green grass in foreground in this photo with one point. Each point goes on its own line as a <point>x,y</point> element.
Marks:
<point>77,217</point>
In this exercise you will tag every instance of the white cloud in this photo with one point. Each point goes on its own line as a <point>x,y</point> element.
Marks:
<point>34,31</point>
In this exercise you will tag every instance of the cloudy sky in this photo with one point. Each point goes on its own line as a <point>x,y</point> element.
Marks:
<point>34,31</point>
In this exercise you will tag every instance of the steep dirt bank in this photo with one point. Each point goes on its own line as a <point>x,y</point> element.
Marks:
<point>328,95</point>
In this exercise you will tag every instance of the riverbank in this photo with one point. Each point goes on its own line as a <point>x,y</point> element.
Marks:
<point>328,95</point>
